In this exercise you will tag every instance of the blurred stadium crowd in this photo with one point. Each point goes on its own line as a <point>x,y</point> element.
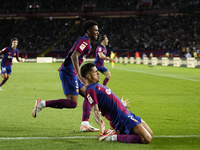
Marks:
<point>76,5</point>
<point>170,32</point>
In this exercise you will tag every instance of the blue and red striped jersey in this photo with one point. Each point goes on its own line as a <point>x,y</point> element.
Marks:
<point>84,47</point>
<point>109,104</point>
<point>98,61</point>
<point>8,54</point>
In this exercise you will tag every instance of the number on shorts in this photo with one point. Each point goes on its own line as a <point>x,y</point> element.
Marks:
<point>76,84</point>
<point>3,68</point>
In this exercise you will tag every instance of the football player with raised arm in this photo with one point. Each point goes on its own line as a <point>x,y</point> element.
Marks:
<point>132,129</point>
<point>101,56</point>
<point>72,81</point>
<point>6,63</point>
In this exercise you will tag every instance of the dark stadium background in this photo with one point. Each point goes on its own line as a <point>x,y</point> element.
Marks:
<point>49,28</point>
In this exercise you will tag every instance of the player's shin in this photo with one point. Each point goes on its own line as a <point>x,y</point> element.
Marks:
<point>86,110</point>
<point>129,139</point>
<point>3,82</point>
<point>61,103</point>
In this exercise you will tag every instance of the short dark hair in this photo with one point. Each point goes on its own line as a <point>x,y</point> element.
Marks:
<point>86,68</point>
<point>102,38</point>
<point>13,39</point>
<point>88,24</point>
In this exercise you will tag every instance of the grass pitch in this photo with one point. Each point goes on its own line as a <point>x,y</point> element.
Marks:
<point>166,98</point>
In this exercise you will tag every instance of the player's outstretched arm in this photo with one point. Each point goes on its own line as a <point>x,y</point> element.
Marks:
<point>126,104</point>
<point>3,50</point>
<point>98,119</point>
<point>18,59</point>
<point>102,56</point>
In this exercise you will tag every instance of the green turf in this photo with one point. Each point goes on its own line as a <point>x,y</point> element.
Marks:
<point>166,98</point>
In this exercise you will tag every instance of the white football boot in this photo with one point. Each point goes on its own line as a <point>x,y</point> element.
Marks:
<point>109,135</point>
<point>88,128</point>
<point>37,108</point>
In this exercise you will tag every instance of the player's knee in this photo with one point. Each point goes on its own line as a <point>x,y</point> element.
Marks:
<point>147,140</point>
<point>6,77</point>
<point>74,105</point>
<point>108,76</point>
<point>151,133</point>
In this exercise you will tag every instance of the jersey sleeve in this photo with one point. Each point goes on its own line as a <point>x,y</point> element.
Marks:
<point>4,50</point>
<point>99,49</point>
<point>91,97</point>
<point>82,46</point>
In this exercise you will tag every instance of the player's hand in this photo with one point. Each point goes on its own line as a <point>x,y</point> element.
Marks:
<point>126,104</point>
<point>82,80</point>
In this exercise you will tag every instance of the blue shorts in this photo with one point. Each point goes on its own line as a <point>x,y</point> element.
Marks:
<point>127,123</point>
<point>70,83</point>
<point>6,69</point>
<point>102,69</point>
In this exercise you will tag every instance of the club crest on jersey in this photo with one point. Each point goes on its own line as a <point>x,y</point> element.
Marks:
<point>108,91</point>
<point>100,49</point>
<point>131,117</point>
<point>90,100</point>
<point>82,46</point>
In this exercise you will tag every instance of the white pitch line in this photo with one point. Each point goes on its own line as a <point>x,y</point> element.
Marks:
<point>88,137</point>
<point>158,74</point>
<point>40,138</point>
<point>175,136</point>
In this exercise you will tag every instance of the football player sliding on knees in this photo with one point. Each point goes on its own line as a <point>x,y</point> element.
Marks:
<point>130,128</point>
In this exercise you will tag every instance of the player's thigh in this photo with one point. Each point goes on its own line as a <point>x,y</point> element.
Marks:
<point>102,69</point>
<point>107,73</point>
<point>8,76</point>
<point>5,75</point>
<point>4,71</point>
<point>82,89</point>
<point>73,98</point>
<point>143,133</point>
<point>69,83</point>
<point>146,127</point>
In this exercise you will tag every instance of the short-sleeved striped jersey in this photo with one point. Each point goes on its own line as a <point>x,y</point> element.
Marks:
<point>109,104</point>
<point>98,61</point>
<point>84,47</point>
<point>8,54</point>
